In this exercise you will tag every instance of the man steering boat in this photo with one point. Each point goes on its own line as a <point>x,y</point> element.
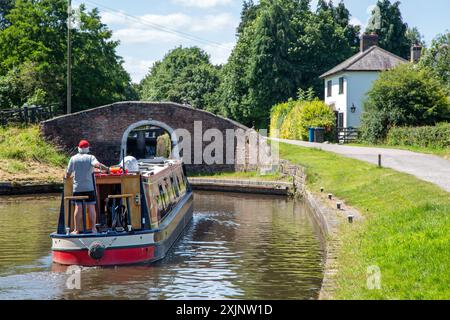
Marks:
<point>82,167</point>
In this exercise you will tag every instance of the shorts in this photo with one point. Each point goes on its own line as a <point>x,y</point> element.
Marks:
<point>90,194</point>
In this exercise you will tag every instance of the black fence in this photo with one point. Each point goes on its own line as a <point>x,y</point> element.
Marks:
<point>25,115</point>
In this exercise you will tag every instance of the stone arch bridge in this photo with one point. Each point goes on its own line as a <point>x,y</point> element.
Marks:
<point>107,130</point>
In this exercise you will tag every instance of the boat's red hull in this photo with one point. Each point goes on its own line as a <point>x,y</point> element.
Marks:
<point>119,256</point>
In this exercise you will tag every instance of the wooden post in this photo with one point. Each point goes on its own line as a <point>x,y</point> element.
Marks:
<point>69,57</point>
<point>379,160</point>
<point>25,113</point>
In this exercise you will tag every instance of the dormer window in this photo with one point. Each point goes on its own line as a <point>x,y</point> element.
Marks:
<point>341,85</point>
<point>329,88</point>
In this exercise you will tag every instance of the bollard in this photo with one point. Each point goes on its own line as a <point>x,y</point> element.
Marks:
<point>379,161</point>
<point>330,196</point>
<point>350,219</point>
<point>339,205</point>
<point>322,189</point>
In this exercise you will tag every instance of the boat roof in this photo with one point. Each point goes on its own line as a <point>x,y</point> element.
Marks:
<point>156,165</point>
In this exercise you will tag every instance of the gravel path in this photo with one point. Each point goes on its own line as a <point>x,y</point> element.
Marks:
<point>423,166</point>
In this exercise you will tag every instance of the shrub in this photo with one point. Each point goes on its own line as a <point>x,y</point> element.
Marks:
<point>315,114</point>
<point>278,115</point>
<point>297,116</point>
<point>405,96</point>
<point>289,128</point>
<point>437,137</point>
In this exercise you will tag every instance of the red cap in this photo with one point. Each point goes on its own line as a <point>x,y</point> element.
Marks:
<point>83,144</point>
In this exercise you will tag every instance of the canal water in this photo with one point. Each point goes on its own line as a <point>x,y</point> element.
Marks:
<point>236,247</point>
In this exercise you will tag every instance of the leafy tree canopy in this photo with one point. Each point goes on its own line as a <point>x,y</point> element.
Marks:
<point>388,23</point>
<point>282,46</point>
<point>184,75</point>
<point>405,96</point>
<point>33,55</point>
<point>437,58</point>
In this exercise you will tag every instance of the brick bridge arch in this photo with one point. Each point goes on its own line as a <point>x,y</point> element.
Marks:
<point>106,128</point>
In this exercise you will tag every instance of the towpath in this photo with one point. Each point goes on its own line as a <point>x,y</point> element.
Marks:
<point>423,166</point>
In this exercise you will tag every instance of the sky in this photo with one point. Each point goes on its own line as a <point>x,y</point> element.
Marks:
<point>148,29</point>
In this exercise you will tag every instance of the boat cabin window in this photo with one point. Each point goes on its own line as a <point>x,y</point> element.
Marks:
<point>162,199</point>
<point>146,142</point>
<point>174,182</point>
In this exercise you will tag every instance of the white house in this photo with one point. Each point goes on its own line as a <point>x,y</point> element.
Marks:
<point>347,84</point>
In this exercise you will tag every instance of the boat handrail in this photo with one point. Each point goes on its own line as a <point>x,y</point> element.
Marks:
<point>76,198</point>
<point>120,196</point>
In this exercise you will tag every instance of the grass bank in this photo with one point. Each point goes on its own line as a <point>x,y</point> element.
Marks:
<point>246,176</point>
<point>26,157</point>
<point>406,230</point>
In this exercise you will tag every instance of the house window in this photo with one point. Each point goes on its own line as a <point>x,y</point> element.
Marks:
<point>329,88</point>
<point>341,85</point>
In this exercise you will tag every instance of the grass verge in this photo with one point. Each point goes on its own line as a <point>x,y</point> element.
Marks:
<point>246,176</point>
<point>26,156</point>
<point>406,230</point>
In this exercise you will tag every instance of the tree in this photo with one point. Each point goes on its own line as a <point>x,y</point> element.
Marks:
<point>329,30</point>
<point>404,96</point>
<point>388,23</point>
<point>414,36</point>
<point>5,8</point>
<point>271,70</point>
<point>437,58</point>
<point>35,39</point>
<point>248,15</point>
<point>286,47</point>
<point>184,75</point>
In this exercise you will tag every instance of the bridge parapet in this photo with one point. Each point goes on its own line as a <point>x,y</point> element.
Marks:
<point>107,128</point>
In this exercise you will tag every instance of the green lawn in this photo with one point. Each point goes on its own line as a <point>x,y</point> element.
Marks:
<point>406,230</point>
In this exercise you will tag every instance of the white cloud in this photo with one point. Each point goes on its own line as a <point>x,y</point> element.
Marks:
<point>137,68</point>
<point>202,3</point>
<point>162,28</point>
<point>219,55</point>
<point>144,36</point>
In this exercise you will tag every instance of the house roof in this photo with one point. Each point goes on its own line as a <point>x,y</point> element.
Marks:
<point>373,59</point>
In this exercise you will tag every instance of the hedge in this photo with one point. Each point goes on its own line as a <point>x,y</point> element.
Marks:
<point>292,119</point>
<point>437,137</point>
<point>278,115</point>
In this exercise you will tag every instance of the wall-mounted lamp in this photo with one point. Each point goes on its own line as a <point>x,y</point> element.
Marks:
<point>353,108</point>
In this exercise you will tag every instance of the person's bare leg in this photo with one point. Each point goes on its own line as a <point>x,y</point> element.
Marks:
<point>78,221</point>
<point>92,217</point>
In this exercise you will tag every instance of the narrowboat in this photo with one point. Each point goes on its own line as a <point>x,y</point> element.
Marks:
<point>140,215</point>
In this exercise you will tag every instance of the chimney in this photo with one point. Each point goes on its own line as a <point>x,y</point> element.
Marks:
<point>416,53</point>
<point>368,41</point>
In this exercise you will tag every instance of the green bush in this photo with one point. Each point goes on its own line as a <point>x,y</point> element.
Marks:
<point>315,114</point>
<point>405,96</point>
<point>295,117</point>
<point>278,115</point>
<point>436,137</point>
<point>289,128</point>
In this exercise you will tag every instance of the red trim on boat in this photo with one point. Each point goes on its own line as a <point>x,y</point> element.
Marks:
<point>111,257</point>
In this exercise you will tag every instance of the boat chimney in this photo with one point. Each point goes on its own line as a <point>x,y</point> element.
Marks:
<point>368,40</point>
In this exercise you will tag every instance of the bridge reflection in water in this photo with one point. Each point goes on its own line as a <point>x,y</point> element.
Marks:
<point>237,246</point>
